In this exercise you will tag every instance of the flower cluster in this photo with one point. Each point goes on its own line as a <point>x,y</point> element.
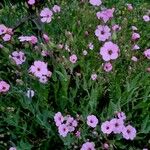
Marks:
<point>5,33</point>
<point>65,124</point>
<point>40,70</point>
<point>117,126</point>
<point>47,14</point>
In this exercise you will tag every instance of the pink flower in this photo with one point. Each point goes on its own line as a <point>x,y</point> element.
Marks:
<point>56,9</point>
<point>39,69</point>
<point>103,32</point>
<point>107,127</point>
<point>78,134</point>
<point>109,51</point>
<point>135,47</point>
<point>31,2</point>
<point>7,37</point>
<point>94,76</point>
<point>135,36</point>
<point>116,27</point>
<point>108,67</point>
<point>3,29</point>
<point>146,18</point>
<point>46,38</point>
<point>147,53</point>
<point>30,93</point>
<point>9,31</point>
<point>73,58</point>
<point>24,38</point>
<point>130,7</point>
<point>1,46</point>
<point>44,53</point>
<point>91,46</point>
<point>34,39</point>
<point>88,146</point>
<point>4,87</point>
<point>121,115</point>
<point>63,130</point>
<point>95,2</point>
<point>105,15</point>
<point>18,57</point>
<point>105,146</point>
<point>134,28</point>
<point>117,124</point>
<point>134,59</point>
<point>129,132</point>
<point>58,118</point>
<point>46,15</point>
<point>71,123</point>
<point>92,121</point>
<point>85,52</point>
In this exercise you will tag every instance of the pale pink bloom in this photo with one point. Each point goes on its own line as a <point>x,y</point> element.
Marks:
<point>71,123</point>
<point>130,7</point>
<point>39,69</point>
<point>135,59</point>
<point>31,2</point>
<point>91,46</point>
<point>24,38</point>
<point>12,148</point>
<point>60,46</point>
<point>46,15</point>
<point>108,67</point>
<point>105,15</point>
<point>135,36</point>
<point>106,146</point>
<point>56,9</point>
<point>63,130</point>
<point>135,47</point>
<point>3,29</point>
<point>9,31</point>
<point>129,132</point>
<point>147,53</point>
<point>34,39</point>
<point>146,18</point>
<point>109,51</point>
<point>92,121</point>
<point>106,127</point>
<point>85,52</point>
<point>94,76</point>
<point>4,87</point>
<point>78,134</point>
<point>103,32</point>
<point>121,115</point>
<point>134,28</point>
<point>1,46</point>
<point>43,79</point>
<point>7,37</point>
<point>88,146</point>
<point>18,57</point>
<point>145,149</point>
<point>117,124</point>
<point>58,118</point>
<point>73,58</point>
<point>30,93</point>
<point>148,69</point>
<point>95,2</point>
<point>44,53</point>
<point>49,74</point>
<point>116,27</point>
<point>46,38</point>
